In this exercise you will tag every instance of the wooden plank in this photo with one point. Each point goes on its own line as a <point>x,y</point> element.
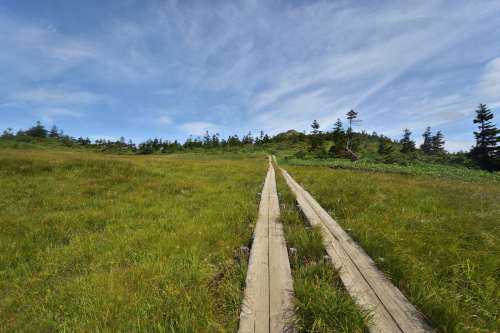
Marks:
<point>267,304</point>
<point>392,312</point>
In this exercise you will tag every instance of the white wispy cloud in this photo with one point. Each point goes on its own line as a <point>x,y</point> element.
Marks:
<point>56,96</point>
<point>264,64</point>
<point>51,114</point>
<point>490,81</point>
<point>165,120</point>
<point>199,128</point>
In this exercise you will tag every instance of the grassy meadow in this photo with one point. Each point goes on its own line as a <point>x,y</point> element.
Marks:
<point>436,237</point>
<point>107,243</point>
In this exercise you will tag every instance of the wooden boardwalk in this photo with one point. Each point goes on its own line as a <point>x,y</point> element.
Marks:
<point>267,304</point>
<point>370,289</point>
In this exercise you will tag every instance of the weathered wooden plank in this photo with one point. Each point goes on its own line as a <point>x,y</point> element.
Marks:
<point>267,304</point>
<point>392,312</point>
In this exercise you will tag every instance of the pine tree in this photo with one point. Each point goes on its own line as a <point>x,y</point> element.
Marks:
<point>426,146</point>
<point>386,149</point>
<point>352,118</point>
<point>437,142</point>
<point>407,144</point>
<point>207,139</point>
<point>384,146</point>
<point>338,127</point>
<point>7,134</point>
<point>339,140</point>
<point>247,139</point>
<point>54,132</point>
<point>37,131</point>
<point>315,127</point>
<point>315,136</point>
<point>486,153</point>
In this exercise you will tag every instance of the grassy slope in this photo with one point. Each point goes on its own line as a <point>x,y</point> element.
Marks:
<point>437,238</point>
<point>104,243</point>
<point>321,302</point>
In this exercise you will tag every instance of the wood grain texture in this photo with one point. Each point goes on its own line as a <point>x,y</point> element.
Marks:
<point>267,304</point>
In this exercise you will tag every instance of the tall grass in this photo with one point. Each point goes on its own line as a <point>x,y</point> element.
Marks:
<point>321,302</point>
<point>113,243</point>
<point>416,168</point>
<point>437,239</point>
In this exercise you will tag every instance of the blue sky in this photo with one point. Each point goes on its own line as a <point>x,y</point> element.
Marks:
<point>169,69</point>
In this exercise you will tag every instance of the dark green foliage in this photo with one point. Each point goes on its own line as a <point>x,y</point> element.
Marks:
<point>386,150</point>
<point>8,134</point>
<point>486,153</point>
<point>315,127</point>
<point>37,131</point>
<point>339,138</point>
<point>54,132</point>
<point>247,139</point>
<point>351,118</point>
<point>407,144</point>
<point>426,146</point>
<point>437,142</point>
<point>316,139</point>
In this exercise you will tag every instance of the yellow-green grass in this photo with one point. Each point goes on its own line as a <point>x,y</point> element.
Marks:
<point>437,238</point>
<point>107,243</point>
<point>321,302</point>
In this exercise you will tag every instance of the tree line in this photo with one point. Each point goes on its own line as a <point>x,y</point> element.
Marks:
<point>340,142</point>
<point>345,142</point>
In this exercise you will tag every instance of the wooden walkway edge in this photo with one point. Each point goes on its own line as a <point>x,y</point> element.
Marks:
<point>268,300</point>
<point>370,289</point>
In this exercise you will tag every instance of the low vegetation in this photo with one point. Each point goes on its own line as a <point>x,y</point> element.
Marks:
<point>429,169</point>
<point>92,242</point>
<point>436,238</point>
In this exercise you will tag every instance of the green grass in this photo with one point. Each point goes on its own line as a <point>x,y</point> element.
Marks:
<point>321,302</point>
<point>416,168</point>
<point>436,238</point>
<point>108,243</point>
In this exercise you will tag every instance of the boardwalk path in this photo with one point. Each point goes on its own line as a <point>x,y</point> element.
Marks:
<point>267,304</point>
<point>370,289</point>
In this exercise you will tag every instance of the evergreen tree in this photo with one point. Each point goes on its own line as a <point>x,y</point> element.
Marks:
<point>37,131</point>
<point>339,140</point>
<point>407,144</point>
<point>385,146</point>
<point>54,132</point>
<point>315,136</point>
<point>426,146</point>
<point>247,139</point>
<point>216,140</point>
<point>338,129</point>
<point>315,127</point>
<point>351,117</point>
<point>486,153</point>
<point>437,142</point>
<point>7,134</point>
<point>207,139</point>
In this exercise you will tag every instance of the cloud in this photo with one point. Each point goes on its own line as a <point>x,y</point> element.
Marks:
<point>489,84</point>
<point>269,65</point>
<point>199,128</point>
<point>56,96</point>
<point>49,115</point>
<point>165,120</point>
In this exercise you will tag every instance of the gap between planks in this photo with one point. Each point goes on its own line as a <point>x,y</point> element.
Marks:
<point>268,300</point>
<point>370,289</point>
